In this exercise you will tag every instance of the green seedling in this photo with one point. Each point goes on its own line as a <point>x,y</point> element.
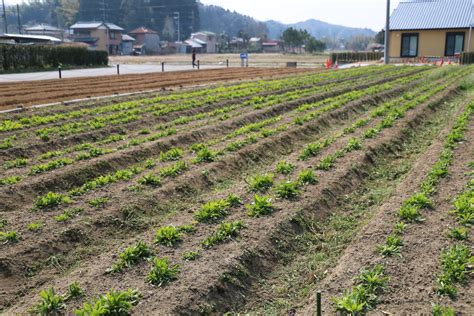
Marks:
<point>285,168</point>
<point>52,199</point>
<point>150,180</point>
<point>191,255</point>
<point>172,155</point>
<point>34,227</point>
<point>10,237</point>
<point>74,291</point>
<point>162,272</point>
<point>50,303</point>
<point>261,183</point>
<point>459,233</point>
<point>392,246</point>
<point>168,236</point>
<point>98,202</point>
<point>307,177</point>
<point>131,256</point>
<point>261,206</point>
<point>213,210</point>
<point>112,303</point>
<point>287,190</point>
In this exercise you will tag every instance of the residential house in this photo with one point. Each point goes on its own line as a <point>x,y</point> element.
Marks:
<point>207,39</point>
<point>126,47</point>
<point>44,29</point>
<point>431,28</point>
<point>272,46</point>
<point>255,44</point>
<point>147,39</point>
<point>100,36</point>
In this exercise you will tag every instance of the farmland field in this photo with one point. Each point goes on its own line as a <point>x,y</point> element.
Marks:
<point>245,197</point>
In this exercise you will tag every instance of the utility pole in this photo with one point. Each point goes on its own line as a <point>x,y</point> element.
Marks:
<point>19,19</point>
<point>387,36</point>
<point>5,16</point>
<point>177,16</point>
<point>106,27</point>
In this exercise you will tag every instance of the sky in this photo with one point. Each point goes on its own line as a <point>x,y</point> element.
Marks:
<point>355,13</point>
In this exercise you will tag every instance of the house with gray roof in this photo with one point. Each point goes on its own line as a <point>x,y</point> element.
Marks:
<point>98,35</point>
<point>431,28</point>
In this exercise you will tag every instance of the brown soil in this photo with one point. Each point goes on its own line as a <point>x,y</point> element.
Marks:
<point>49,91</point>
<point>84,247</point>
<point>411,287</point>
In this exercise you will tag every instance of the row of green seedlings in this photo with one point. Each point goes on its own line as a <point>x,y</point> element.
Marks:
<point>121,118</point>
<point>360,299</point>
<point>111,303</point>
<point>205,155</point>
<point>167,132</point>
<point>209,95</point>
<point>129,115</point>
<point>217,210</point>
<point>456,259</point>
<point>95,152</point>
<point>390,117</point>
<point>53,199</point>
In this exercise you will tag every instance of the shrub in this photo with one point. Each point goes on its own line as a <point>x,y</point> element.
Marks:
<point>287,190</point>
<point>50,303</point>
<point>261,183</point>
<point>162,272</point>
<point>112,303</point>
<point>168,236</point>
<point>224,232</point>
<point>262,205</point>
<point>213,211</point>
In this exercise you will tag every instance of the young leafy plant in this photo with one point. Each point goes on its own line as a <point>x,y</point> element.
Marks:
<point>205,155</point>
<point>131,256</point>
<point>262,205</point>
<point>51,199</point>
<point>74,291</point>
<point>459,233</point>
<point>34,227</point>
<point>326,163</point>
<point>284,167</point>
<point>98,202</point>
<point>10,237</point>
<point>392,246</point>
<point>168,236</point>
<point>213,210</point>
<point>261,183</point>
<point>225,232</point>
<point>307,177</point>
<point>50,303</point>
<point>191,255</point>
<point>112,303</point>
<point>162,272</point>
<point>172,155</point>
<point>287,190</point>
<point>150,180</point>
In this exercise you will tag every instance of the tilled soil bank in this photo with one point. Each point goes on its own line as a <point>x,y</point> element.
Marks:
<point>244,261</point>
<point>49,91</point>
<point>411,286</point>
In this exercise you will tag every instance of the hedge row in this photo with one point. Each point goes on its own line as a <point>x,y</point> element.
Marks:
<point>350,57</point>
<point>23,57</point>
<point>467,58</point>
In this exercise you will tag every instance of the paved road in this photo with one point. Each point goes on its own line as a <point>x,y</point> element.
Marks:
<point>94,72</point>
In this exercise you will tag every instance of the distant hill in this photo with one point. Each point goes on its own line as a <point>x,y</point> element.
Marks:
<point>318,29</point>
<point>217,19</point>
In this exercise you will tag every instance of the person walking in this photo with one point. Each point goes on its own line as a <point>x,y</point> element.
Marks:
<point>194,58</point>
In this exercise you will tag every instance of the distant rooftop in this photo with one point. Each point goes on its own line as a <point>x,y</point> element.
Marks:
<point>432,14</point>
<point>42,27</point>
<point>143,30</point>
<point>95,25</point>
<point>29,37</point>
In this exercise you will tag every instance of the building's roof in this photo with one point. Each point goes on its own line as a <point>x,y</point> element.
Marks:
<point>30,37</point>
<point>432,14</point>
<point>89,40</point>
<point>42,27</point>
<point>197,40</point>
<point>193,43</point>
<point>95,25</point>
<point>143,30</point>
<point>127,38</point>
<point>255,39</point>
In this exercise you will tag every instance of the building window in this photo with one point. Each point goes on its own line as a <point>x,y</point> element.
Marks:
<point>112,35</point>
<point>409,45</point>
<point>454,43</point>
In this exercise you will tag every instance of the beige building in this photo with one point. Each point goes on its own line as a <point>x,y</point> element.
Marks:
<point>99,36</point>
<point>431,28</point>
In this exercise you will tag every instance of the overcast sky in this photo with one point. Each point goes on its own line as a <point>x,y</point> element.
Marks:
<point>356,13</point>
